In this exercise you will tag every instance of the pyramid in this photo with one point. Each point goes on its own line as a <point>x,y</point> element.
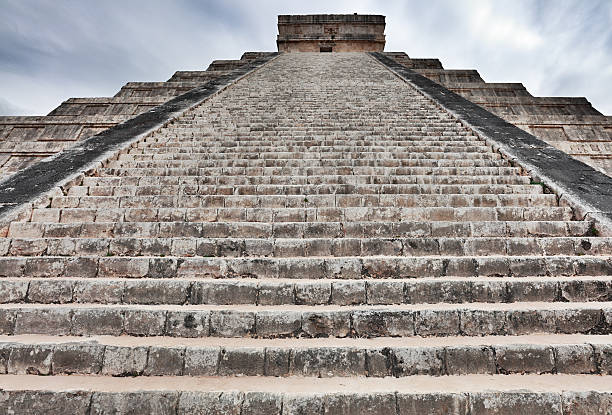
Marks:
<point>327,229</point>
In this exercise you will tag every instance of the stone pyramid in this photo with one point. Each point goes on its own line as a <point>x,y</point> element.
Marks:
<point>308,232</point>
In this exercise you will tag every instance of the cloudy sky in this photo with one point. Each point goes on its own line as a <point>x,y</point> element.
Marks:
<point>51,50</point>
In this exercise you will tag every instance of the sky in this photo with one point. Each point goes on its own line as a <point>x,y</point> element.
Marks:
<point>51,50</point>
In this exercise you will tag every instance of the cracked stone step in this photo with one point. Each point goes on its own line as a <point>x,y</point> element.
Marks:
<point>159,242</point>
<point>463,395</point>
<point>424,320</point>
<point>304,190</point>
<point>466,162</point>
<point>343,153</point>
<point>193,143</point>
<point>303,180</point>
<point>321,201</point>
<point>308,268</point>
<point>309,292</point>
<point>310,171</point>
<point>320,148</point>
<point>159,356</point>
<point>285,215</point>
<point>82,220</point>
<point>305,160</point>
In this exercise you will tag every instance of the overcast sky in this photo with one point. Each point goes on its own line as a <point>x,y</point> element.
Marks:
<point>56,49</point>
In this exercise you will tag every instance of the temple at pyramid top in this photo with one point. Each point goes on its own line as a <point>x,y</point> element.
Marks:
<point>331,33</point>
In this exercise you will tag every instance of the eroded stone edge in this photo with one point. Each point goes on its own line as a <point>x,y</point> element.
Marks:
<point>33,185</point>
<point>577,185</point>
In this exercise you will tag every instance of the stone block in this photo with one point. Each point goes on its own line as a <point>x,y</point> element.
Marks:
<point>437,323</point>
<point>511,403</point>
<point>31,402</point>
<point>137,403</point>
<point>188,324</point>
<point>56,291</point>
<point>362,404</point>
<point>226,323</point>
<point>525,359</point>
<point>223,292</point>
<point>55,322</point>
<point>380,362</point>
<point>144,322</point>
<point>97,321</point>
<point>104,292</point>
<point>277,361</point>
<point>348,292</point>
<point>408,361</point>
<point>302,404</point>
<point>30,359</point>
<point>210,403</point>
<point>78,358</point>
<point>123,267</point>
<point>275,293</point>
<point>81,267</point>
<point>8,318</point>
<point>328,362</point>
<point>326,324</point>
<point>385,292</point>
<point>575,359</point>
<point>165,361</point>
<point>13,291</point>
<point>201,361</point>
<point>433,404</point>
<point>241,361</point>
<point>261,403</point>
<point>313,293</point>
<point>284,323</point>
<point>124,361</point>
<point>587,403</point>
<point>380,323</point>
<point>464,360</point>
<point>532,321</point>
<point>156,292</point>
<point>578,320</point>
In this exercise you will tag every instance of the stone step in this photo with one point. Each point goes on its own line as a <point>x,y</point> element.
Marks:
<point>346,125</point>
<point>134,220</point>
<point>280,150</point>
<point>303,180</point>
<point>306,201</point>
<point>400,320</point>
<point>280,215</point>
<point>308,268</point>
<point>312,156</point>
<point>382,357</point>
<point>162,144</point>
<point>164,241</point>
<point>166,148</point>
<point>304,291</point>
<point>311,171</point>
<point>252,163</point>
<point>173,395</point>
<point>261,190</point>
<point>256,162</point>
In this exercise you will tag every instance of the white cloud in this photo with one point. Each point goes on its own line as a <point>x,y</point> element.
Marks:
<point>501,29</point>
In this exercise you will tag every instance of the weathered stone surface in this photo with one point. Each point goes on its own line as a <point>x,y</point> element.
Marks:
<point>39,402</point>
<point>68,359</point>
<point>455,404</point>
<point>124,361</point>
<point>370,404</point>
<point>134,403</point>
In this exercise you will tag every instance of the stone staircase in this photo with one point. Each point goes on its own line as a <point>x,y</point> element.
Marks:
<point>318,238</point>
